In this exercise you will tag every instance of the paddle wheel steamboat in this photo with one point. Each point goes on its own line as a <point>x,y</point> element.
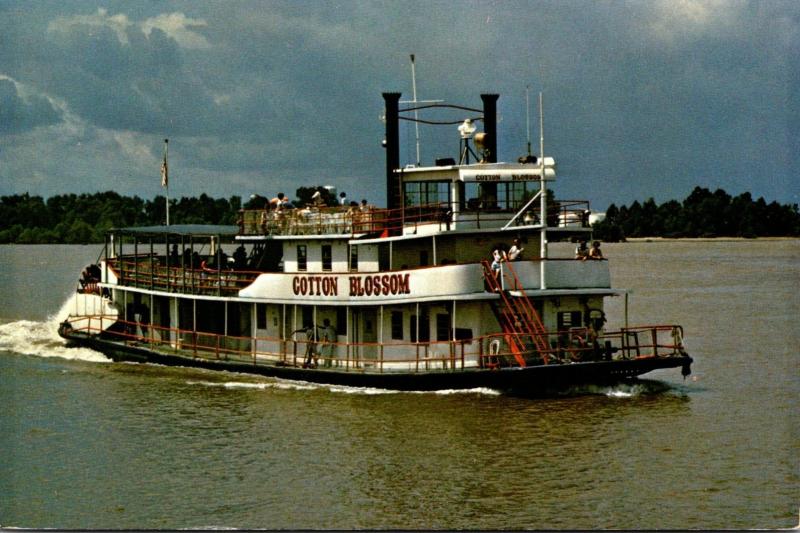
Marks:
<point>404,297</point>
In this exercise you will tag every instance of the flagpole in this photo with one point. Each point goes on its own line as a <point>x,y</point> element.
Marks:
<point>165,174</point>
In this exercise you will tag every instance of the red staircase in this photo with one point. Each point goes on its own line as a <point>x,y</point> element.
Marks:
<point>516,314</point>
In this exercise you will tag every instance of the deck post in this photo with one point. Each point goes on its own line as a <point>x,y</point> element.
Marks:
<point>183,263</point>
<point>152,266</point>
<point>152,333</point>
<point>253,330</point>
<point>194,325</point>
<point>191,262</point>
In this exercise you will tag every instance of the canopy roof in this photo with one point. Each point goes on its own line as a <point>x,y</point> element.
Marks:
<point>198,230</point>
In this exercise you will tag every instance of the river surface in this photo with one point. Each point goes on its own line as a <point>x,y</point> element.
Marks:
<point>87,443</point>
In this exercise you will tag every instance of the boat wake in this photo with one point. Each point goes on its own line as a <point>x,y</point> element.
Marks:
<point>635,389</point>
<point>40,339</point>
<point>283,384</point>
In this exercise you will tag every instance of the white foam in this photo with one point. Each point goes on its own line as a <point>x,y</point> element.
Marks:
<point>41,339</point>
<point>284,384</point>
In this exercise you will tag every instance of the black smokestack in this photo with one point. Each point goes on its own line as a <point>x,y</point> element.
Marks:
<point>392,140</point>
<point>489,125</point>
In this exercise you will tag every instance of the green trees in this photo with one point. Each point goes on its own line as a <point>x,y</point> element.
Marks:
<point>77,219</point>
<point>701,214</point>
<point>84,218</point>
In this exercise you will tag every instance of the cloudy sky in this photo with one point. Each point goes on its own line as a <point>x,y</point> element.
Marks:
<point>642,98</point>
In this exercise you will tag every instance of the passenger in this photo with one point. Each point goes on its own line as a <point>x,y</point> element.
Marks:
<point>311,347</point>
<point>316,200</point>
<point>364,206</point>
<point>595,252</point>
<point>240,258</point>
<point>174,256</point>
<point>277,202</point>
<point>515,253</point>
<point>581,251</point>
<point>328,340</point>
<point>498,256</point>
<point>343,198</point>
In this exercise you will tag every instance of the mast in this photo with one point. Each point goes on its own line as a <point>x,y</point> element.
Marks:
<point>414,93</point>
<point>528,116</point>
<point>542,200</point>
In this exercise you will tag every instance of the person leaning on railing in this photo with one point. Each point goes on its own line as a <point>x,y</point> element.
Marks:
<point>595,252</point>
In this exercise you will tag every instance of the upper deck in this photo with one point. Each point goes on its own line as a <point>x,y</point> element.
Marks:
<point>448,198</point>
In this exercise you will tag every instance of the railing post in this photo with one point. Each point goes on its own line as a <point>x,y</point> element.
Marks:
<point>654,333</point>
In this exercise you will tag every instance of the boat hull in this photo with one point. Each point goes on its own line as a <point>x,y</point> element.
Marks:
<point>528,380</point>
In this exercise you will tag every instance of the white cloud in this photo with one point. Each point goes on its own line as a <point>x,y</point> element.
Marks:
<point>119,24</point>
<point>137,147</point>
<point>673,19</point>
<point>177,26</point>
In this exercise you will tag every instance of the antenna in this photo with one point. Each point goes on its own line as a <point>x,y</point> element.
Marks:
<point>416,116</point>
<point>542,198</point>
<point>541,132</point>
<point>528,115</point>
<point>415,102</point>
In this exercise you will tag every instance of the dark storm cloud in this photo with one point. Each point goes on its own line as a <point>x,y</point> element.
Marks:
<point>20,113</point>
<point>641,98</point>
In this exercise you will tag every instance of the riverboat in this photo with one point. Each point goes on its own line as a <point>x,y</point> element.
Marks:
<point>405,297</point>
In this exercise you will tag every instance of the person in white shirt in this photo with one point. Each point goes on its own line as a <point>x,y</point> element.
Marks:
<point>516,250</point>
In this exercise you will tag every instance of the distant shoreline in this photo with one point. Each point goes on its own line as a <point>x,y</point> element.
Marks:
<point>707,239</point>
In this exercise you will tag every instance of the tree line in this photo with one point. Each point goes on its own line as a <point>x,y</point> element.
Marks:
<point>84,218</point>
<point>702,214</point>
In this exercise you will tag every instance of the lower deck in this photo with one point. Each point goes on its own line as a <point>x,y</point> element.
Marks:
<point>411,338</point>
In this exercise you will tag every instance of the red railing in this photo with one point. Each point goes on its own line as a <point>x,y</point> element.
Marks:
<point>488,351</point>
<point>147,271</point>
<point>353,220</point>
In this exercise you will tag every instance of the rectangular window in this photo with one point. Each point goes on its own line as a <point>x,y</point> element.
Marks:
<point>397,325</point>
<point>426,193</point>
<point>261,316</point>
<point>423,258</point>
<point>424,328</point>
<point>302,258</point>
<point>568,319</point>
<point>443,327</point>
<point>354,258</point>
<point>383,257</point>
<point>327,258</point>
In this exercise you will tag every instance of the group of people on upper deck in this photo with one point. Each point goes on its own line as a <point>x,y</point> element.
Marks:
<point>583,252</point>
